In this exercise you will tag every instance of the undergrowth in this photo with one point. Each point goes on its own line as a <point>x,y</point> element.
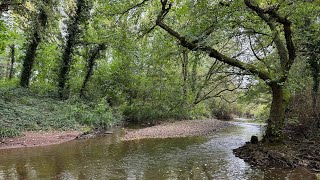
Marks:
<point>22,110</point>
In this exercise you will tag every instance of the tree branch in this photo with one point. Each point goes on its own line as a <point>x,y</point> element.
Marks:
<point>210,51</point>
<point>130,8</point>
<point>287,58</point>
<point>218,94</point>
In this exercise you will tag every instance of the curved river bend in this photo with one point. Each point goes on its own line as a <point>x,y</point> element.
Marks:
<point>151,159</point>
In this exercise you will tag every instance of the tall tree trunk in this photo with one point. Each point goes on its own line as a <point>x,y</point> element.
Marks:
<point>280,99</point>
<point>314,94</point>
<point>315,73</point>
<point>184,73</point>
<point>194,75</point>
<point>12,60</point>
<point>32,48</point>
<point>91,62</point>
<point>73,30</point>
<point>66,60</point>
<point>29,60</point>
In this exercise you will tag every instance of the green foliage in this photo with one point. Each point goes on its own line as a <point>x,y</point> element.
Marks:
<point>143,114</point>
<point>144,75</point>
<point>23,110</point>
<point>97,115</point>
<point>200,111</point>
<point>221,110</point>
<point>261,112</point>
<point>5,132</point>
<point>3,35</point>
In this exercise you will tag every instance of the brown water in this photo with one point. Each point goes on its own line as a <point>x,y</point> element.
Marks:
<point>109,158</point>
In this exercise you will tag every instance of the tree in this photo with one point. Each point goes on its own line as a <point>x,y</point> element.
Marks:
<point>12,61</point>
<point>311,46</point>
<point>35,39</point>
<point>275,80</point>
<point>90,65</point>
<point>71,40</point>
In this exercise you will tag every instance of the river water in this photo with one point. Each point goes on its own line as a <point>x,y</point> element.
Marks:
<point>108,157</point>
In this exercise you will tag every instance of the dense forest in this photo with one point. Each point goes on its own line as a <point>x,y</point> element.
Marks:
<point>66,63</point>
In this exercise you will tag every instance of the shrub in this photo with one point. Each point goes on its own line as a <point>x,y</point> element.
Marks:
<point>152,114</point>
<point>9,132</point>
<point>98,115</point>
<point>221,111</point>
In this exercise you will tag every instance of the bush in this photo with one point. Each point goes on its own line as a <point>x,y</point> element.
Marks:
<point>221,111</point>
<point>98,115</point>
<point>151,114</point>
<point>9,133</point>
<point>262,112</point>
<point>302,122</point>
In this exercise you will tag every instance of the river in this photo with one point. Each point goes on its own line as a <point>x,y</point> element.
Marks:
<point>108,157</point>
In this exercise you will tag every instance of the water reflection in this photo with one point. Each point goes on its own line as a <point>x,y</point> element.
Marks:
<point>109,158</point>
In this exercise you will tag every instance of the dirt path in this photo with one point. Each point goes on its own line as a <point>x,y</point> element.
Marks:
<point>177,129</point>
<point>32,139</point>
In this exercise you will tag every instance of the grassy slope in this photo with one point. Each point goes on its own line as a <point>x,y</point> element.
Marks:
<point>22,110</point>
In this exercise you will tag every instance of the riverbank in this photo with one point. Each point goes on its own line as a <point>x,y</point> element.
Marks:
<point>166,130</point>
<point>33,139</point>
<point>290,154</point>
<point>177,129</point>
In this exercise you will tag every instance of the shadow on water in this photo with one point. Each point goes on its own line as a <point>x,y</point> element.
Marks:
<point>109,158</point>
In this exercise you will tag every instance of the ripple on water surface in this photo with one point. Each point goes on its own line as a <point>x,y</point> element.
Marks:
<point>109,158</point>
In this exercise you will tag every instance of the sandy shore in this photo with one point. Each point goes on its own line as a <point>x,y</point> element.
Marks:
<point>177,129</point>
<point>32,139</point>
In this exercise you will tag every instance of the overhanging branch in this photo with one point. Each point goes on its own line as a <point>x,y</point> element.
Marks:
<point>130,8</point>
<point>287,54</point>
<point>209,50</point>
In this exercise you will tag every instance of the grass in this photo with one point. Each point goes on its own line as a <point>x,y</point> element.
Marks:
<point>23,110</point>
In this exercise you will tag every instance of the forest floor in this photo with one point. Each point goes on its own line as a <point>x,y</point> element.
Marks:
<point>42,138</point>
<point>177,129</point>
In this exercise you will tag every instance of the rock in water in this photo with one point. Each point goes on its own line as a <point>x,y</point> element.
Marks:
<point>254,140</point>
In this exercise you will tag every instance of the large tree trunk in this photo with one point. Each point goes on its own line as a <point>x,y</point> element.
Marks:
<point>314,95</point>
<point>73,30</point>
<point>184,70</point>
<point>12,60</point>
<point>315,73</point>
<point>91,62</point>
<point>65,67</point>
<point>29,60</point>
<point>280,99</point>
<point>194,75</point>
<point>32,48</point>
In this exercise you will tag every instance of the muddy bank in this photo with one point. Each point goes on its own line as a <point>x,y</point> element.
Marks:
<point>177,129</point>
<point>32,139</point>
<point>304,154</point>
